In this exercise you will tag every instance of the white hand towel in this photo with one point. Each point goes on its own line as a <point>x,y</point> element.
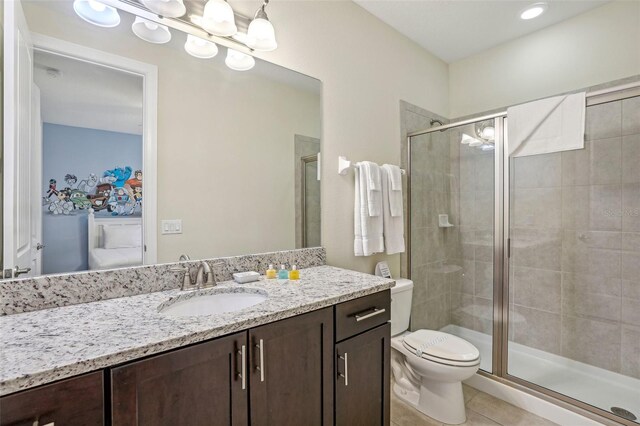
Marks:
<point>393,225</point>
<point>548,125</point>
<point>371,227</point>
<point>394,176</point>
<point>373,185</point>
<point>357,222</point>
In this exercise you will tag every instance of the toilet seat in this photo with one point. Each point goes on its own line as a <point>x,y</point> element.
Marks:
<point>442,348</point>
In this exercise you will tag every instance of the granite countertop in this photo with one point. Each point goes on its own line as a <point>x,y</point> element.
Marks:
<point>48,345</point>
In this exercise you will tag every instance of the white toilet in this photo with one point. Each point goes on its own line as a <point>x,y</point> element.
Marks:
<point>428,366</point>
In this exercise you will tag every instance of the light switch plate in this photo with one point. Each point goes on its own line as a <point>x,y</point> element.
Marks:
<point>173,226</point>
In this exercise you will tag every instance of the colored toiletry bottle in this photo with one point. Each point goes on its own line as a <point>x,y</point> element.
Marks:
<point>294,274</point>
<point>271,273</point>
<point>283,274</point>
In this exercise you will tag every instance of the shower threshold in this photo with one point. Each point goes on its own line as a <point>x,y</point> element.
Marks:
<point>592,385</point>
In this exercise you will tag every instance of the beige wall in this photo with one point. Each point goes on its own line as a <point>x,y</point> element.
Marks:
<point>225,143</point>
<point>595,47</point>
<point>366,67</point>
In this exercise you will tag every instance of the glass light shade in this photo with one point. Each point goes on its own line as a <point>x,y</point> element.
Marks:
<point>97,13</point>
<point>239,61</point>
<point>488,147</point>
<point>488,133</point>
<point>200,48</point>
<point>218,18</point>
<point>261,35</point>
<point>166,8</point>
<point>150,31</point>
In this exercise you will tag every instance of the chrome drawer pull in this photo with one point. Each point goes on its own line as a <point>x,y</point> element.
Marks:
<point>260,368</point>
<point>243,368</point>
<point>376,311</point>
<point>346,368</point>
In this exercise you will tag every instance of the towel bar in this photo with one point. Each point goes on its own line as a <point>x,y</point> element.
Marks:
<point>345,165</point>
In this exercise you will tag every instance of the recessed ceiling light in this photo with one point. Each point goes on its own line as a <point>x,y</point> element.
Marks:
<point>533,11</point>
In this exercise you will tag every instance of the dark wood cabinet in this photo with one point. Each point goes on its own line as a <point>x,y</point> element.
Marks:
<point>78,401</point>
<point>363,379</point>
<point>291,367</point>
<point>287,373</point>
<point>198,385</point>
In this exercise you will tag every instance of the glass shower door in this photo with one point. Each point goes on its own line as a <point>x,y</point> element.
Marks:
<point>574,269</point>
<point>452,200</point>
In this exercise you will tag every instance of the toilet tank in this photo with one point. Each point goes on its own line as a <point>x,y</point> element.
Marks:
<point>401,305</point>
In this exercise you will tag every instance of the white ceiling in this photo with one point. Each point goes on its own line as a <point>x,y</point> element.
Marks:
<point>455,29</point>
<point>88,95</point>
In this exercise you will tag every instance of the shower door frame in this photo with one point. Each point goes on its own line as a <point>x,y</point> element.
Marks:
<point>501,256</point>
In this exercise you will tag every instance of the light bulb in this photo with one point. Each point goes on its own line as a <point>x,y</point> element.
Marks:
<point>218,18</point>
<point>97,13</point>
<point>533,11</point>
<point>200,48</point>
<point>97,6</point>
<point>239,61</point>
<point>261,35</point>
<point>488,133</point>
<point>151,31</point>
<point>166,8</point>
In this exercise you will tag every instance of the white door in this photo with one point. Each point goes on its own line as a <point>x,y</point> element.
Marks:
<point>36,182</point>
<point>18,134</point>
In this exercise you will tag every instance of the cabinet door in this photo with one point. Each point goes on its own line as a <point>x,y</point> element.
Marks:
<point>198,385</point>
<point>292,371</point>
<point>362,378</point>
<point>73,402</point>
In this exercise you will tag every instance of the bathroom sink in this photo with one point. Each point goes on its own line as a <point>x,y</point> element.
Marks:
<point>211,302</point>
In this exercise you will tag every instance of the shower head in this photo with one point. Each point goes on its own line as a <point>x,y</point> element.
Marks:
<point>434,121</point>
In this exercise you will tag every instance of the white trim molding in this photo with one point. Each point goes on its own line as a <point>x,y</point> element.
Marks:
<point>149,74</point>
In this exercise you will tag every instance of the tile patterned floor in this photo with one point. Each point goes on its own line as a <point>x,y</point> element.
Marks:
<point>482,410</point>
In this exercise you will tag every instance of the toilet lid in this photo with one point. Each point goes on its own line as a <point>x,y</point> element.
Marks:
<point>441,345</point>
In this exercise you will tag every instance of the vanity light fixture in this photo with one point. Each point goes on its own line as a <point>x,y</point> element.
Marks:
<point>200,48</point>
<point>150,31</point>
<point>239,61</point>
<point>218,18</point>
<point>533,11</point>
<point>486,131</point>
<point>97,13</point>
<point>261,35</point>
<point>166,8</point>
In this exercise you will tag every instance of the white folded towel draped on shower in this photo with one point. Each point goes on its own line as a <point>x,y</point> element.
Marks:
<point>368,222</point>
<point>392,209</point>
<point>548,125</point>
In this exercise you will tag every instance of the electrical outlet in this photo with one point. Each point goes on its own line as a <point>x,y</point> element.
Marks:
<point>173,226</point>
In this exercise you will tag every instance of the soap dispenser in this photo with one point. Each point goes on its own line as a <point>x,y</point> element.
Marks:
<point>283,274</point>
<point>294,274</point>
<point>271,273</point>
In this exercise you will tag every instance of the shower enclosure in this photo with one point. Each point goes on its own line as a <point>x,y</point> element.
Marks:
<point>535,260</point>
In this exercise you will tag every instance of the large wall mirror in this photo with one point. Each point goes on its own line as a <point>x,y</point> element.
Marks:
<point>130,152</point>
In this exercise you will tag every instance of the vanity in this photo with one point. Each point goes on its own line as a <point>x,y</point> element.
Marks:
<point>314,351</point>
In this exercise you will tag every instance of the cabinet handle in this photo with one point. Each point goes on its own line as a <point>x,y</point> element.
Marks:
<point>243,368</point>
<point>376,311</point>
<point>260,367</point>
<point>346,368</point>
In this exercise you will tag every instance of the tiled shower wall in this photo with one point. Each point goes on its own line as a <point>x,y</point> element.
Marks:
<point>575,275</point>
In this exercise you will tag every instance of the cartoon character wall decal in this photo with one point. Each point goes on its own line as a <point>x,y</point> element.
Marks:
<point>121,174</point>
<point>116,192</point>
<point>52,189</point>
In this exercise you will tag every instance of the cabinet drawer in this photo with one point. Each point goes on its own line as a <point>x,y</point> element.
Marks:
<point>355,316</point>
<point>77,401</point>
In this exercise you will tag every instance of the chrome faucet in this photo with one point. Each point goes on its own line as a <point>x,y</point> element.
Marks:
<point>204,278</point>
